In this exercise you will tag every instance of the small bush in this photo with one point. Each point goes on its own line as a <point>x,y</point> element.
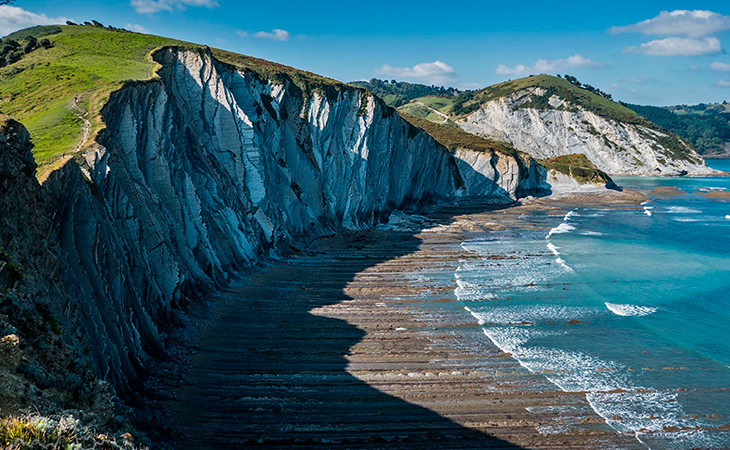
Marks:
<point>33,431</point>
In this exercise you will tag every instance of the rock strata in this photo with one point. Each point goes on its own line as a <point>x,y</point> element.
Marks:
<point>563,128</point>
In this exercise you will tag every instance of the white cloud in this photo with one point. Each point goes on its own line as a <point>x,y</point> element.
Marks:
<point>154,6</point>
<point>136,27</point>
<point>723,83</point>
<point>13,18</point>
<point>676,46</point>
<point>430,73</point>
<point>242,33</point>
<point>695,24</point>
<point>544,66</point>
<point>720,67</point>
<point>276,34</point>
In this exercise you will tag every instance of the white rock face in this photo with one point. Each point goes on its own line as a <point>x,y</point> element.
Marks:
<point>204,171</point>
<point>616,148</point>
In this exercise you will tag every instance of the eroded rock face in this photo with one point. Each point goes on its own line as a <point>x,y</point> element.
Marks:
<point>614,147</point>
<point>40,349</point>
<point>204,171</point>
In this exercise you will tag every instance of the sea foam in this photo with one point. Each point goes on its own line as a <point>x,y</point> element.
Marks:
<point>630,310</point>
<point>682,210</point>
<point>564,227</point>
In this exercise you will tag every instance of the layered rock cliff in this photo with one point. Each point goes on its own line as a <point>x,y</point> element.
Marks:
<point>544,124</point>
<point>207,168</point>
<point>42,359</point>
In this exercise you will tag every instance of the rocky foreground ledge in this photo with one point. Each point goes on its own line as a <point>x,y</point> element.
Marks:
<point>361,344</point>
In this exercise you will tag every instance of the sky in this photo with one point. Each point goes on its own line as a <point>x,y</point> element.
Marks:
<point>645,52</point>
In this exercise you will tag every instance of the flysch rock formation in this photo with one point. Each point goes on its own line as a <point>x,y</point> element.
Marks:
<point>206,169</point>
<point>615,147</point>
<point>42,358</point>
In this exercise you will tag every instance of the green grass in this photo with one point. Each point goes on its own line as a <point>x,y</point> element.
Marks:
<point>23,432</point>
<point>88,61</point>
<point>37,32</point>
<point>33,431</point>
<point>563,89</point>
<point>417,110</point>
<point>577,166</point>
<point>454,138</point>
<point>442,104</point>
<point>92,62</point>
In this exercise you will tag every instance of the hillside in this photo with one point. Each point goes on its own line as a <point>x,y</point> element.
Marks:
<point>397,93</point>
<point>547,116</point>
<point>706,127</point>
<point>575,166</point>
<point>88,63</point>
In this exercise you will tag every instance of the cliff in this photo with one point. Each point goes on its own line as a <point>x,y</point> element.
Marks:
<point>547,117</point>
<point>208,167</point>
<point>42,359</point>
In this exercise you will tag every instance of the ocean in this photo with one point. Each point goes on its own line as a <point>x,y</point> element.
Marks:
<point>628,304</point>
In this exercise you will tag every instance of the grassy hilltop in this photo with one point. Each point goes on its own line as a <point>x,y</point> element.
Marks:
<point>465,103</point>
<point>91,61</point>
<point>88,62</point>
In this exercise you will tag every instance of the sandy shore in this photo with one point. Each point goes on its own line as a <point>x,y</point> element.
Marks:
<point>360,343</point>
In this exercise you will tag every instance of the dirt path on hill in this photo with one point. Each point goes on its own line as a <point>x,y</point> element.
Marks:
<point>81,114</point>
<point>446,118</point>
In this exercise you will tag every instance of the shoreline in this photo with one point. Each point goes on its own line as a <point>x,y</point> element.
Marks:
<point>354,318</point>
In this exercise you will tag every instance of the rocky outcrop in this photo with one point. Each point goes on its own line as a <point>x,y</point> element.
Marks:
<point>42,360</point>
<point>207,168</point>
<point>563,128</point>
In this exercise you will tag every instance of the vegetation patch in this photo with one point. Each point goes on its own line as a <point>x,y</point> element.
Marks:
<point>33,431</point>
<point>16,272</point>
<point>82,62</point>
<point>397,93</point>
<point>422,111</point>
<point>363,104</point>
<point>540,102</point>
<point>708,133</point>
<point>570,92</point>
<point>577,166</point>
<point>453,138</point>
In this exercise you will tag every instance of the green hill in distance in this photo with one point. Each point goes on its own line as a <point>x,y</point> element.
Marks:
<point>396,93</point>
<point>467,102</point>
<point>705,126</point>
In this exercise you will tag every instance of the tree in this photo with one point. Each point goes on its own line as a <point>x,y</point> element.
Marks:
<point>30,44</point>
<point>6,2</point>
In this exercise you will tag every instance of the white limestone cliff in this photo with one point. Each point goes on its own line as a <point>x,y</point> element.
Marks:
<point>615,147</point>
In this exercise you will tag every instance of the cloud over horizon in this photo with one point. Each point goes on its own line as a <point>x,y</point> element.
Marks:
<point>676,46</point>
<point>275,34</point>
<point>136,27</point>
<point>697,23</point>
<point>13,18</point>
<point>720,67</point>
<point>436,72</point>
<point>688,31</point>
<point>544,66</point>
<point>155,6</point>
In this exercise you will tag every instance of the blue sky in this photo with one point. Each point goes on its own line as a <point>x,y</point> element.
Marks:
<point>632,50</point>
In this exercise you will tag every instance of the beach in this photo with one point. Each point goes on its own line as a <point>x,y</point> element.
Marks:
<point>360,341</point>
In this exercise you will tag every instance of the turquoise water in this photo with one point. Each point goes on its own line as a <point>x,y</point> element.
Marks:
<point>630,305</point>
